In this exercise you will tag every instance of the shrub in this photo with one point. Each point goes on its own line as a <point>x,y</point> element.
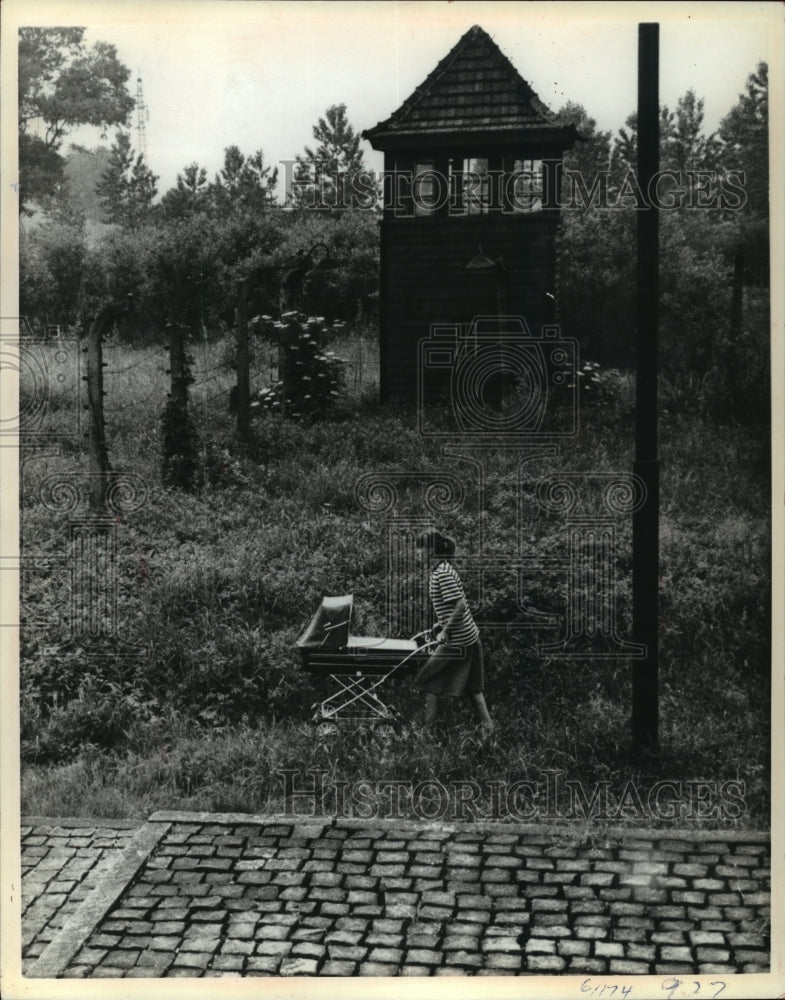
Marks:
<point>80,694</point>
<point>348,284</point>
<point>52,258</point>
<point>310,377</point>
<point>608,391</point>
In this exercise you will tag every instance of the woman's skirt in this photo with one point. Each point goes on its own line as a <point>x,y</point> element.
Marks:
<point>453,670</point>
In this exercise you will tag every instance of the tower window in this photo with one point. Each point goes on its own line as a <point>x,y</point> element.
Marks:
<point>424,188</point>
<point>470,186</point>
<point>522,185</point>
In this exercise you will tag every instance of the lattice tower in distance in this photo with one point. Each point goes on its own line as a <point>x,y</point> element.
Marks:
<point>142,117</point>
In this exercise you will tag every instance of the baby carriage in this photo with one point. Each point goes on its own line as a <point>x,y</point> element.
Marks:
<point>357,668</point>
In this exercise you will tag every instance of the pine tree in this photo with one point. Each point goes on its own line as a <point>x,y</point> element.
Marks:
<point>190,195</point>
<point>744,134</point>
<point>334,175</point>
<point>244,184</point>
<point>127,187</point>
<point>625,147</point>
<point>686,147</point>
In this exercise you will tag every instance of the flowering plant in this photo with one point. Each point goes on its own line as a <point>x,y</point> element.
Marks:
<point>310,377</point>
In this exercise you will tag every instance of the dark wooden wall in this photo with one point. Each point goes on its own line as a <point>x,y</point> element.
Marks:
<point>424,280</point>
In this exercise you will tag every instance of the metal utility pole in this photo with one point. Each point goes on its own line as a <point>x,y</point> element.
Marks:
<point>645,528</point>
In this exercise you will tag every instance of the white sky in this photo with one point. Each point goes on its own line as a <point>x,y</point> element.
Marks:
<point>259,74</point>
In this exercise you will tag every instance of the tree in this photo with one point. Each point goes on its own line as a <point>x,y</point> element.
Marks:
<point>242,201</point>
<point>51,264</point>
<point>189,197</point>
<point>83,169</point>
<point>346,286</point>
<point>127,186</point>
<point>334,175</point>
<point>741,364</point>
<point>194,248</point>
<point>244,184</point>
<point>241,204</point>
<point>596,259</point>
<point>683,144</point>
<point>744,138</point>
<point>63,84</point>
<point>625,148</point>
<point>713,327</point>
<point>592,152</point>
<point>685,147</point>
<point>182,287</point>
<point>744,133</point>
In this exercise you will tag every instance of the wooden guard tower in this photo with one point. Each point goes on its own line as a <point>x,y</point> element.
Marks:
<point>471,204</point>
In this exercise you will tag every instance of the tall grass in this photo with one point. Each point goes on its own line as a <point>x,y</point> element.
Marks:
<point>214,587</point>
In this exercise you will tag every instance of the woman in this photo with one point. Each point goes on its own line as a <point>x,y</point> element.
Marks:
<point>456,665</point>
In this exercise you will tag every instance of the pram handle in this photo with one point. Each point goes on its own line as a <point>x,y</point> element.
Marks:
<point>428,643</point>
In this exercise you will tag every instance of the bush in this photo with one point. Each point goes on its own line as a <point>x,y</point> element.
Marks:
<point>606,392</point>
<point>310,377</point>
<point>52,257</point>
<point>349,284</point>
<point>79,695</point>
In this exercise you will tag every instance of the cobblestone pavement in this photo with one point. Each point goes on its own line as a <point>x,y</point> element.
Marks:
<point>61,865</point>
<point>228,895</point>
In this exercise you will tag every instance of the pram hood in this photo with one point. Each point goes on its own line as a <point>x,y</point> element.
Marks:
<point>329,627</point>
<point>328,631</point>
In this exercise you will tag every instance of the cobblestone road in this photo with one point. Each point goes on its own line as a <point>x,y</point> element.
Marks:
<point>225,895</point>
<point>62,863</point>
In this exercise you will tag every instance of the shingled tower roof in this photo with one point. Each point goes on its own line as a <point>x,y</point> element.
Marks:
<point>475,89</point>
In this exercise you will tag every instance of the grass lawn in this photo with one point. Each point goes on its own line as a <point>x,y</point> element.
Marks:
<point>213,588</point>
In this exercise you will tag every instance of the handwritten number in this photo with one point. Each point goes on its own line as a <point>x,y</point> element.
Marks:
<point>586,987</point>
<point>671,985</point>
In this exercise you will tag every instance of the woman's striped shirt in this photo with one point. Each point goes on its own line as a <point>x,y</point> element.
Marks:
<point>444,589</point>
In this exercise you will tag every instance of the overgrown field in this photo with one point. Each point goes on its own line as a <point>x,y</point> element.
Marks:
<point>214,587</point>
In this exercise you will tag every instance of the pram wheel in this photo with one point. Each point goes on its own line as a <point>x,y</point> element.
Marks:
<point>327,731</point>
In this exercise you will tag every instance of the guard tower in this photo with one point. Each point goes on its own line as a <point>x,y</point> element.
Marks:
<point>471,204</point>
